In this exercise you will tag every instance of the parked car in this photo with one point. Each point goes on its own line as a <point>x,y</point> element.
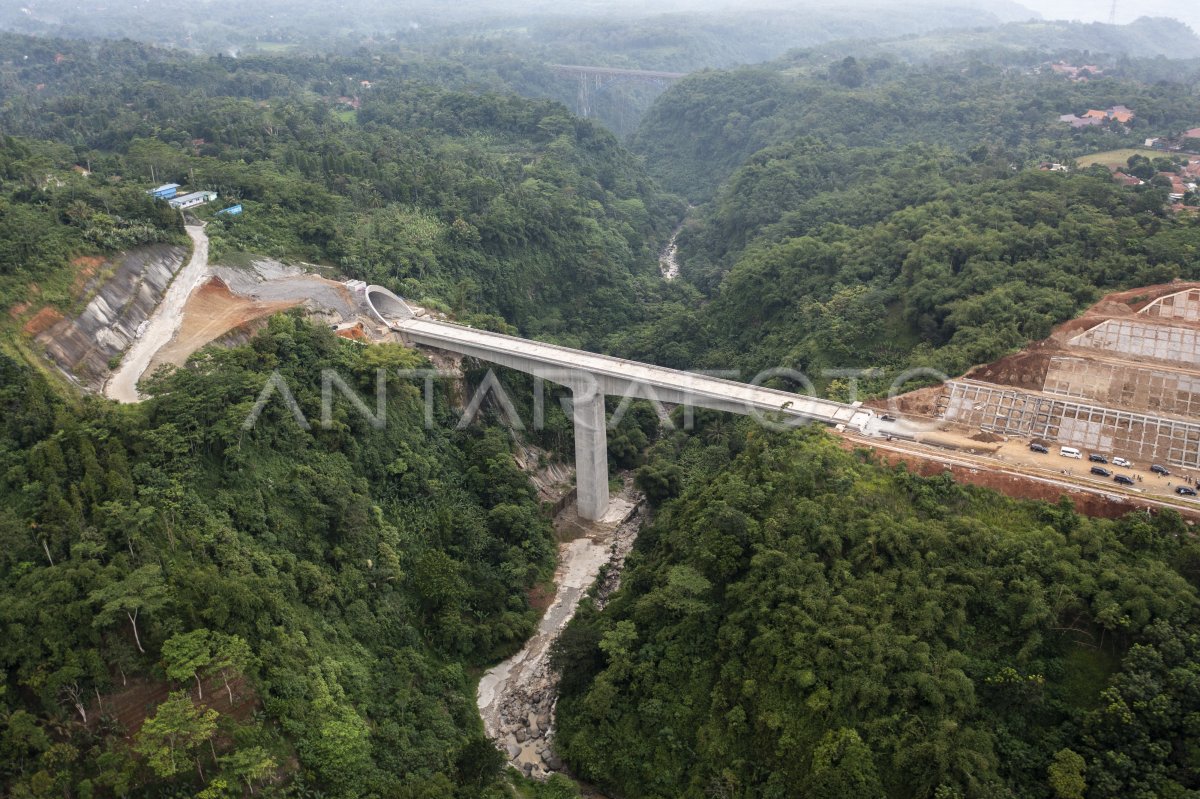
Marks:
<point>1070,452</point>
<point>1160,470</point>
<point>1100,470</point>
<point>1095,458</point>
<point>887,417</point>
<point>1185,491</point>
<point>1040,448</point>
<point>1121,462</point>
<point>1124,480</point>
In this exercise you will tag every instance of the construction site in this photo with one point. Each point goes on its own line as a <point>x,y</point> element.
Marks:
<point>1122,381</point>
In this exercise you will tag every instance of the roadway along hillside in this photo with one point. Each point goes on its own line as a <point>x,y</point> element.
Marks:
<point>164,322</point>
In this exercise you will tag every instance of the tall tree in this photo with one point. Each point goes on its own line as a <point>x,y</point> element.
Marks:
<point>141,591</point>
<point>175,733</point>
<point>186,654</point>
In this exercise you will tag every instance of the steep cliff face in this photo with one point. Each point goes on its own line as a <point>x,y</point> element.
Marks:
<point>121,298</point>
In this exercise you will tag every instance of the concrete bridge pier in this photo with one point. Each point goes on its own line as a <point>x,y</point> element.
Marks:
<point>590,377</point>
<point>591,452</point>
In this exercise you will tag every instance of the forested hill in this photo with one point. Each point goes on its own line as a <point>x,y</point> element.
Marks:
<point>802,622</point>
<point>1144,38</point>
<point>190,606</point>
<point>458,46</point>
<point>688,37</point>
<point>474,201</point>
<point>867,213</point>
<point>195,606</point>
<point>325,590</point>
<point>709,124</point>
<point>50,214</point>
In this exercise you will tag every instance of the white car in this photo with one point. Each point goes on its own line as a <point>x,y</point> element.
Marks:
<point>1121,462</point>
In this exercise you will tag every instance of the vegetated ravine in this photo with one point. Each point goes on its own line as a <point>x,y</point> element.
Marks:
<point>517,698</point>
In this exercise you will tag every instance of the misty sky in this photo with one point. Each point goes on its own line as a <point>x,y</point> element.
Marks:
<point>1127,10</point>
<point>1187,11</point>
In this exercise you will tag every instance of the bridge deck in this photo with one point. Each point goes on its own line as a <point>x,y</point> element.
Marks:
<point>579,69</point>
<point>668,385</point>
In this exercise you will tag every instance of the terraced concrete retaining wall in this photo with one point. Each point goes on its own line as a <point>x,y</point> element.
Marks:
<point>83,346</point>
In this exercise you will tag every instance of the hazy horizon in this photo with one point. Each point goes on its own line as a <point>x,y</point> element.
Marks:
<point>765,28</point>
<point>1126,10</point>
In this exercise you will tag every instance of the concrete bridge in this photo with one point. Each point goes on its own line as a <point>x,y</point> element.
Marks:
<point>591,377</point>
<point>593,80</point>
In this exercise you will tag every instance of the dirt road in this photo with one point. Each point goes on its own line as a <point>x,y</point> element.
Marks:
<point>211,312</point>
<point>163,323</point>
<point>1008,464</point>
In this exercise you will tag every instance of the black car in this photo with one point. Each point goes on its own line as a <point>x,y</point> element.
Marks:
<point>1100,470</point>
<point>1039,448</point>
<point>1160,470</point>
<point>1094,458</point>
<point>1184,491</point>
<point>887,417</point>
<point>1123,480</point>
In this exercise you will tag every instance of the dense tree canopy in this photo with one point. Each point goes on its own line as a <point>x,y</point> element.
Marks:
<point>309,606</point>
<point>897,224</point>
<point>476,203</point>
<point>166,541</point>
<point>804,622</point>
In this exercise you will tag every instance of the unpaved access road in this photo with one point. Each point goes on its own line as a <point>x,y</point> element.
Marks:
<point>1153,493</point>
<point>163,323</point>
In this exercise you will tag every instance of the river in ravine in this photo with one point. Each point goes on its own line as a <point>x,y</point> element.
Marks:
<point>517,698</point>
<point>668,259</point>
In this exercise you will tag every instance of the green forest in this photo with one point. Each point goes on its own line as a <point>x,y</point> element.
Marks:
<point>332,591</point>
<point>344,582</point>
<point>875,214</point>
<point>480,204</point>
<point>194,607</point>
<point>802,621</point>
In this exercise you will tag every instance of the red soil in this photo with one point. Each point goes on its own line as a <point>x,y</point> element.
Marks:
<point>88,266</point>
<point>211,312</point>
<point>1085,502</point>
<point>356,333</point>
<point>42,321</point>
<point>133,704</point>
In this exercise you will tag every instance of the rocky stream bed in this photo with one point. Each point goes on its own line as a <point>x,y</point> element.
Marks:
<point>517,698</point>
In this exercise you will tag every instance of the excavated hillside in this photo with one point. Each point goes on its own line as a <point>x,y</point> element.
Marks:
<point>116,299</point>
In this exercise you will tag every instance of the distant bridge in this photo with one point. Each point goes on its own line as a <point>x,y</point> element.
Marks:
<point>593,80</point>
<point>591,377</point>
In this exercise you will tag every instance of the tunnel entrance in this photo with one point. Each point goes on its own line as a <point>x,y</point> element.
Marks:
<point>387,306</point>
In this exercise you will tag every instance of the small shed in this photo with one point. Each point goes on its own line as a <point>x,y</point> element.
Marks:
<point>193,199</point>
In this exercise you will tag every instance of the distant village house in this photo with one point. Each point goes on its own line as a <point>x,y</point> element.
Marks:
<point>1075,73</point>
<point>1118,113</point>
